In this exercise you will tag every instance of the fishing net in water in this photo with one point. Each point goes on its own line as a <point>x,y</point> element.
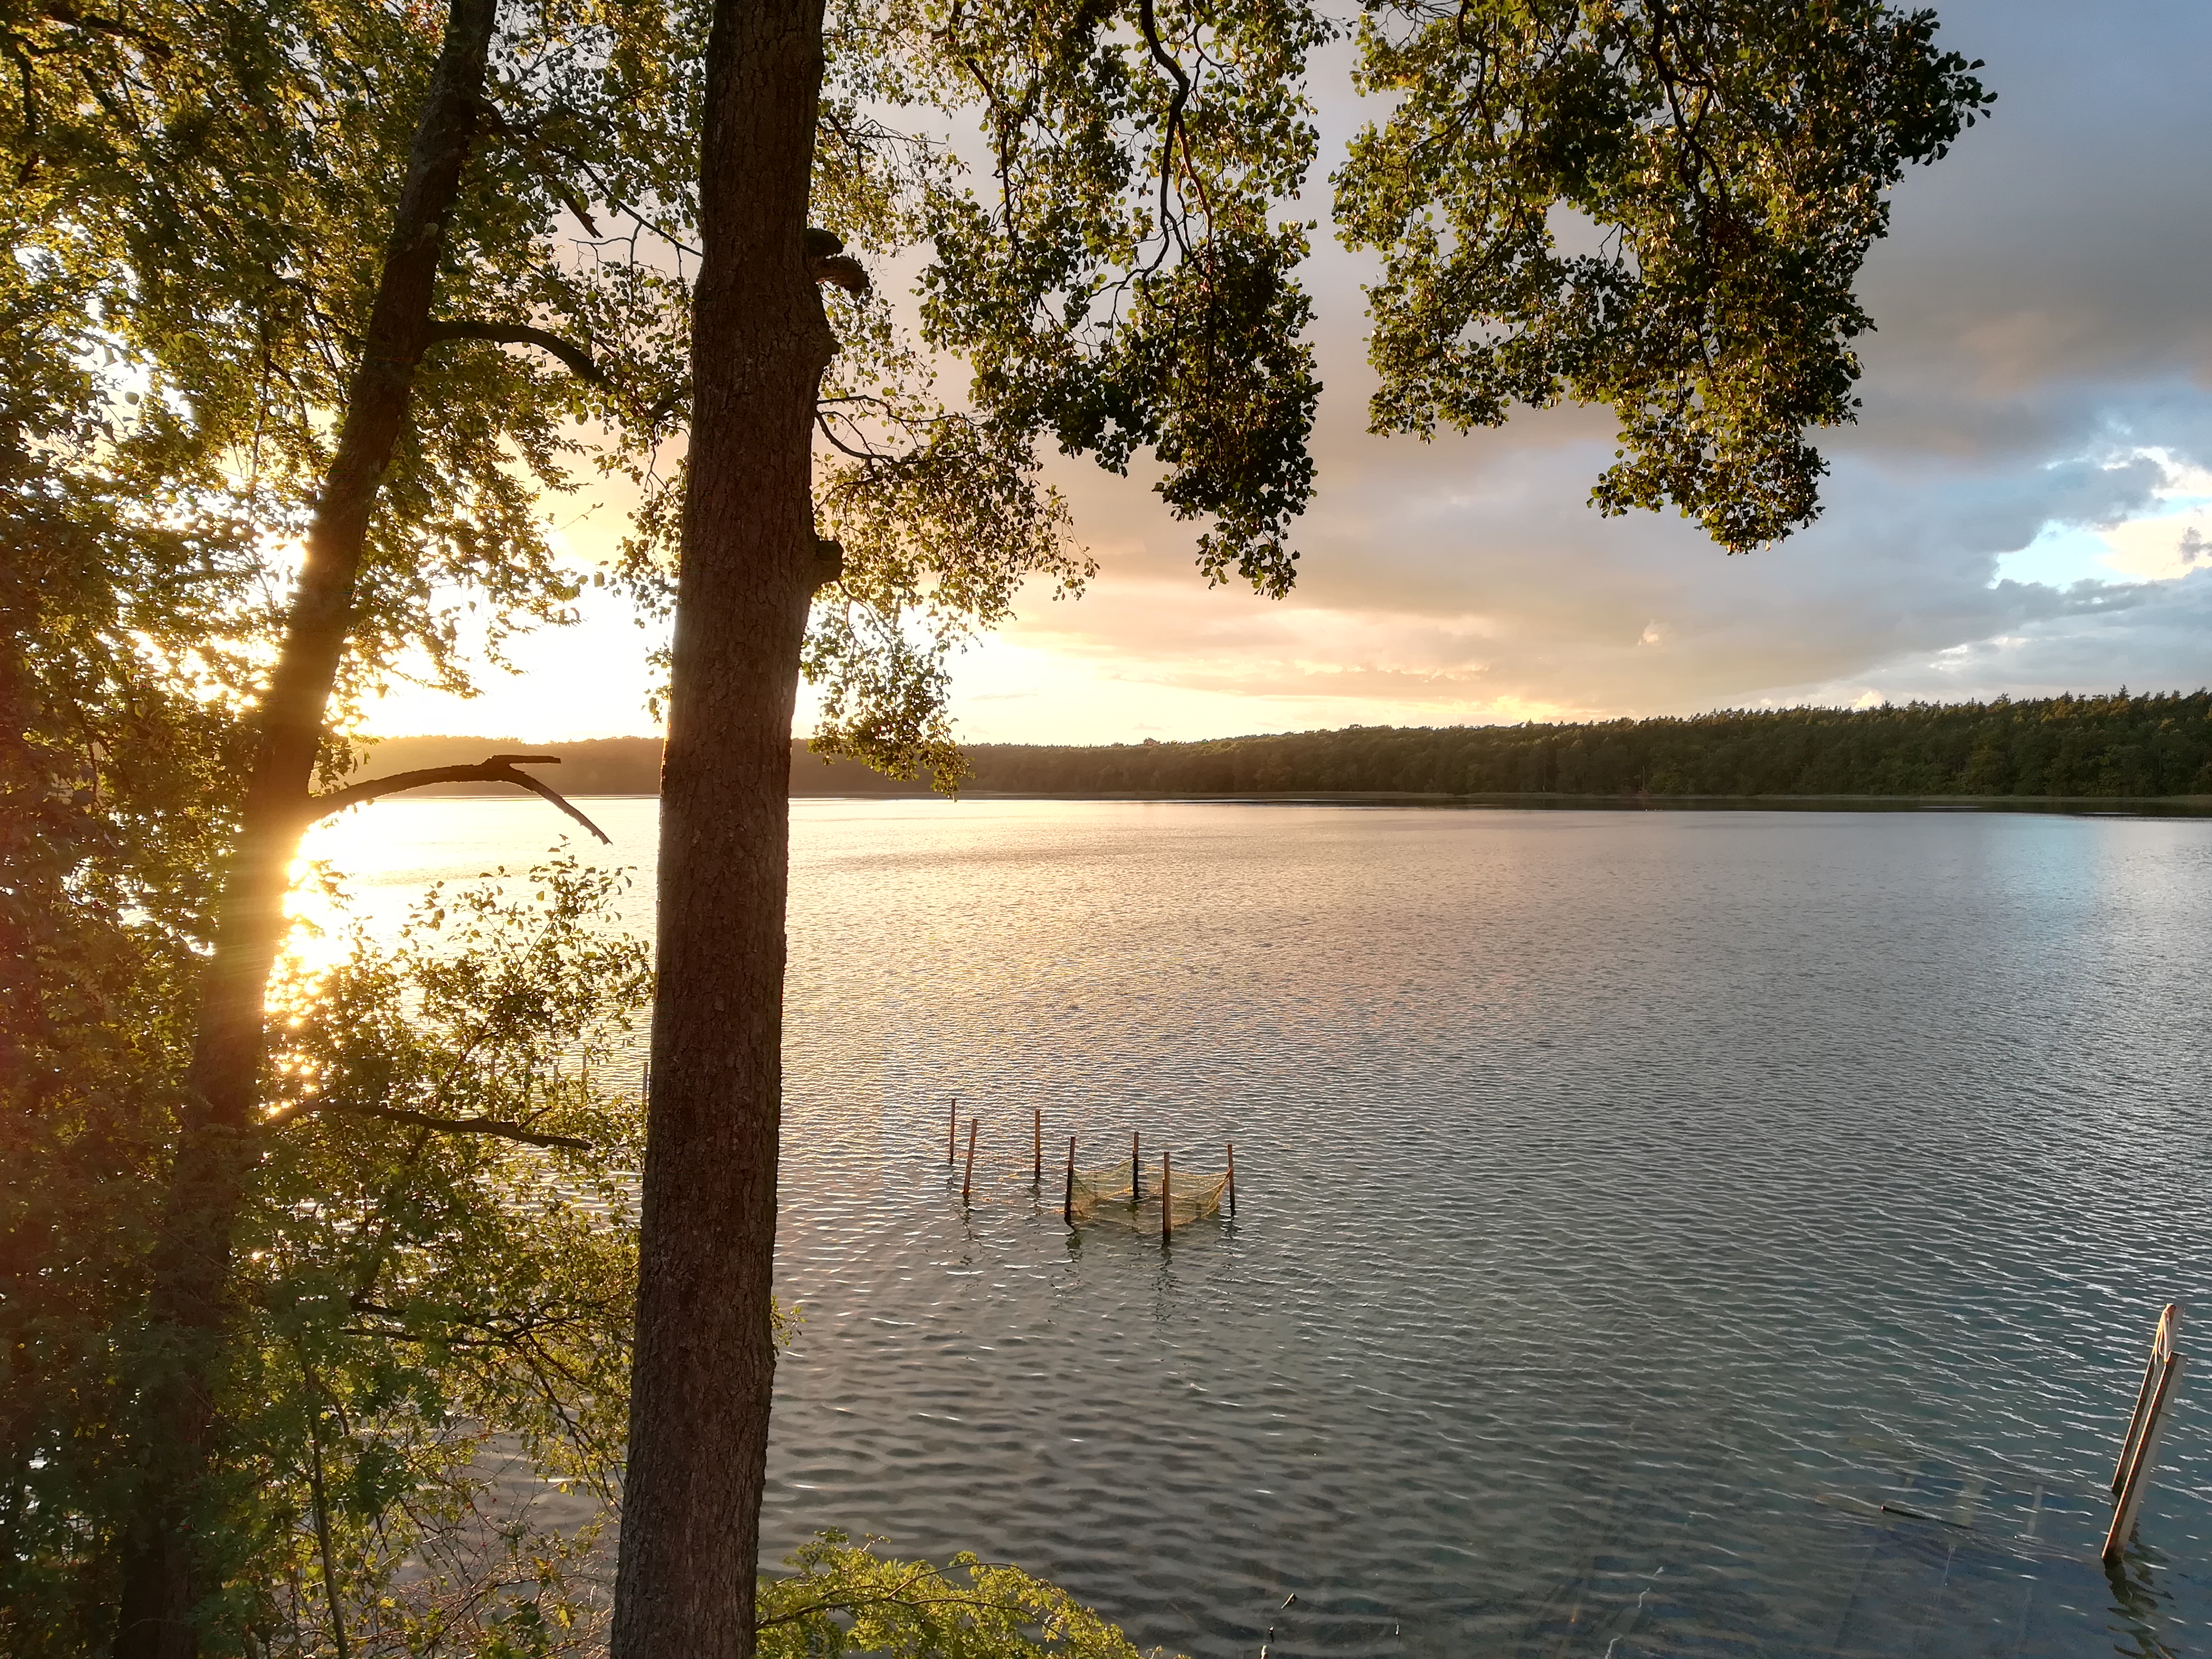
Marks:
<point>1090,1189</point>
<point>1120,1192</point>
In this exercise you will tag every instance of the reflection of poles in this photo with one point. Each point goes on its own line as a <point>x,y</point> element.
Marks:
<point>1067,1204</point>
<point>1232,1177</point>
<point>951,1128</point>
<point>1136,1171</point>
<point>1167,1197</point>
<point>968,1184</point>
<point>1036,1145</point>
<point>2131,1479</point>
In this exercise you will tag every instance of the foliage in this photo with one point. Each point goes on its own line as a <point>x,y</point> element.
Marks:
<point>115,720</point>
<point>842,1598</point>
<point>439,1263</point>
<point>1121,285</point>
<point>1125,283</point>
<point>196,197</point>
<point>2142,745</point>
<point>419,1284</point>
<point>203,191</point>
<point>1122,276</point>
<point>936,545</point>
<point>1718,169</point>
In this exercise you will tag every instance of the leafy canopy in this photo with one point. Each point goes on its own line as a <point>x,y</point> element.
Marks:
<point>1719,168</point>
<point>1658,205</point>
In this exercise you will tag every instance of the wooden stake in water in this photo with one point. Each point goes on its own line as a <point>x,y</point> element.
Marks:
<point>1067,1204</point>
<point>1232,1177</point>
<point>1036,1146</point>
<point>2161,1339</point>
<point>1167,1197</point>
<point>968,1182</point>
<point>2140,1449</point>
<point>1136,1171</point>
<point>951,1129</point>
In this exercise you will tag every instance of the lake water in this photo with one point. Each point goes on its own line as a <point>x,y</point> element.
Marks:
<point>1631,1202</point>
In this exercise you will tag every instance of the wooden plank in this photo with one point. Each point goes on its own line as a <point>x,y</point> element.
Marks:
<point>2161,1345</point>
<point>2146,1453</point>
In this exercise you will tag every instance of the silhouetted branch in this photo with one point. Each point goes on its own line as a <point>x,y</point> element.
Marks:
<point>459,1126</point>
<point>496,768</point>
<point>470,1126</point>
<point>578,360</point>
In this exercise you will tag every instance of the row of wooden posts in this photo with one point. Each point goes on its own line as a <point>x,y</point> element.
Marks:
<point>1068,1201</point>
<point>2138,1450</point>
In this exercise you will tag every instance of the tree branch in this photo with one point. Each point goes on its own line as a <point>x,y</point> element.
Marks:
<point>459,1126</point>
<point>578,361</point>
<point>1149,24</point>
<point>61,12</point>
<point>472,1126</point>
<point>496,768</point>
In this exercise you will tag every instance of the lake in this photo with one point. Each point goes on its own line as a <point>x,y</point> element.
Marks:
<point>1632,1203</point>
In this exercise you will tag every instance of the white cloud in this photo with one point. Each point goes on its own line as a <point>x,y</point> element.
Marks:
<point>2161,549</point>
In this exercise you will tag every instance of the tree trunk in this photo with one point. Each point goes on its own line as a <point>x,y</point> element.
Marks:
<point>216,1142</point>
<point>705,1361</point>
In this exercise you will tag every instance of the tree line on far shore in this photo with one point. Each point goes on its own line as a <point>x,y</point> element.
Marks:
<point>2121,745</point>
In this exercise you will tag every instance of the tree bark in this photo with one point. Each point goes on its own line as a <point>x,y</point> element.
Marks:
<point>705,1358</point>
<point>162,1581</point>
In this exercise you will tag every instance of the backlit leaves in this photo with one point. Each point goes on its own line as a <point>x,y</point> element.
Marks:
<point>1658,204</point>
<point>1121,278</point>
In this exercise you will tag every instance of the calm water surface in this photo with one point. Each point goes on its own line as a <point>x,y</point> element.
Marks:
<point>1630,1203</point>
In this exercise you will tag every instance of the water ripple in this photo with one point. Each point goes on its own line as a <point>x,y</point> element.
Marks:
<point>1630,1203</point>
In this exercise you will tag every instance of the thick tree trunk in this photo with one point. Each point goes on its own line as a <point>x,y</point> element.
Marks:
<point>705,1363</point>
<point>216,1149</point>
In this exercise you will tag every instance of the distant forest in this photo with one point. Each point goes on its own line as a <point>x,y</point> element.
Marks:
<point>2121,745</point>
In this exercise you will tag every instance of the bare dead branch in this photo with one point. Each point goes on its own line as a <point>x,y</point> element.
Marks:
<point>495,769</point>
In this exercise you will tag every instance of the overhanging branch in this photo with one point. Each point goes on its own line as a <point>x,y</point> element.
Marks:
<point>459,1126</point>
<point>472,1126</point>
<point>496,768</point>
<point>578,361</point>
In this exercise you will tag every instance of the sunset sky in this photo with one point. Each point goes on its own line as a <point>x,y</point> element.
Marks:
<point>2025,506</point>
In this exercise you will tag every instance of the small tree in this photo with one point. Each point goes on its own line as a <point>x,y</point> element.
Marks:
<point>1125,283</point>
<point>287,281</point>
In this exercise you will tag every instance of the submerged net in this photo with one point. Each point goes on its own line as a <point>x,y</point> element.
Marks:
<point>1111,1194</point>
<point>1089,1190</point>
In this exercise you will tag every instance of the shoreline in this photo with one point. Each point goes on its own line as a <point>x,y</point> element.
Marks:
<point>2061,806</point>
